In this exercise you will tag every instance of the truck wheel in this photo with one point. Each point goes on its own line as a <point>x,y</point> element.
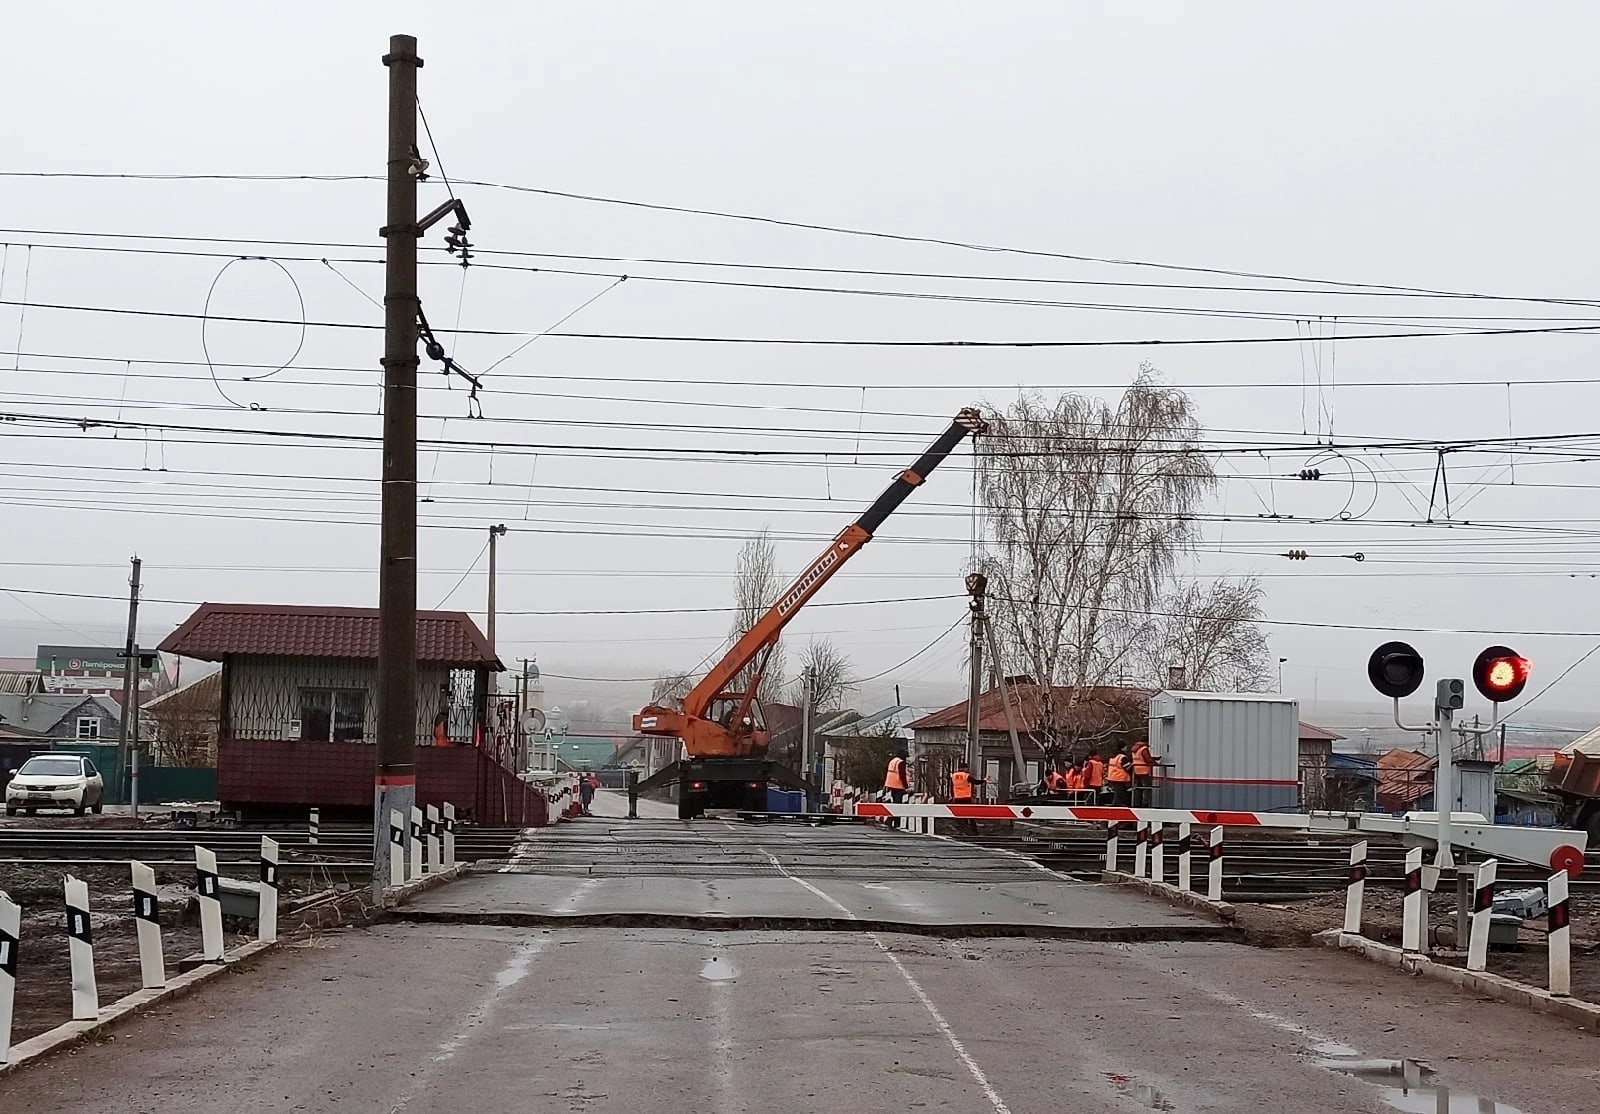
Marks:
<point>685,809</point>
<point>1593,828</point>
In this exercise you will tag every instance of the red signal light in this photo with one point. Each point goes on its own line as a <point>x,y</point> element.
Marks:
<point>1500,673</point>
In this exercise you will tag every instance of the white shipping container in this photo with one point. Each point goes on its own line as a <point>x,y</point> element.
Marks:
<point>1226,750</point>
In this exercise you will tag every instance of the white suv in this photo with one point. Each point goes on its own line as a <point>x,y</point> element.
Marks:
<point>55,781</point>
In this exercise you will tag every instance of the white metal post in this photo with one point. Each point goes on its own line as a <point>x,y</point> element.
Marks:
<point>1185,847</point>
<point>1560,936</point>
<point>414,849</point>
<point>1355,890</point>
<point>397,848</point>
<point>1141,849</point>
<point>1111,847</point>
<point>267,913</point>
<point>209,889</point>
<point>314,828</point>
<point>147,922</point>
<point>80,947</point>
<point>10,929</point>
<point>449,835</point>
<point>1411,904</point>
<point>434,865</point>
<point>1482,911</point>
<point>1214,881</point>
<point>1158,854</point>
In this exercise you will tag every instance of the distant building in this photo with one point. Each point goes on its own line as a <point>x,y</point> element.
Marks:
<point>47,716</point>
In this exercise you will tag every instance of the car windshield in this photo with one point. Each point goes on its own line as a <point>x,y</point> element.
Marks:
<point>54,767</point>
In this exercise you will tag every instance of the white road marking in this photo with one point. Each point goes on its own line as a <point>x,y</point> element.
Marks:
<point>960,1049</point>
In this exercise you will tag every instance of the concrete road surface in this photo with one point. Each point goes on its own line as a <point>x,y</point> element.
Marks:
<point>480,1020</point>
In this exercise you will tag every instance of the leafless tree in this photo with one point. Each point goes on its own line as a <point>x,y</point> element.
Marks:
<point>828,670</point>
<point>1090,511</point>
<point>757,583</point>
<point>863,760</point>
<point>669,689</point>
<point>1210,630</point>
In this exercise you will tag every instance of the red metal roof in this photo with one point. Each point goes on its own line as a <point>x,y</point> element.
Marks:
<point>1027,700</point>
<point>1310,731</point>
<point>216,630</point>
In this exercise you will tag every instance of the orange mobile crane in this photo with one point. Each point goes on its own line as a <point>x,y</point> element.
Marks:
<point>723,761</point>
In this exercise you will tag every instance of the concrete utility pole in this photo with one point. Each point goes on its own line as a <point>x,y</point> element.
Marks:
<point>494,533</point>
<point>807,761</point>
<point>977,586</point>
<point>396,781</point>
<point>127,731</point>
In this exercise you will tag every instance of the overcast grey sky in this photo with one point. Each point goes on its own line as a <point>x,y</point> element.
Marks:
<point>1445,146</point>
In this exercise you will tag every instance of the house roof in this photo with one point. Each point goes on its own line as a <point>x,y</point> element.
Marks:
<point>1405,776</point>
<point>896,716</point>
<point>1027,701</point>
<point>32,716</point>
<point>204,693</point>
<point>217,630</point>
<point>1310,731</point>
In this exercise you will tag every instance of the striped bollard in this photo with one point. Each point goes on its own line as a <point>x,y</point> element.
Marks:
<point>434,864</point>
<point>1141,849</point>
<point>314,827</point>
<point>397,847</point>
<point>1411,904</point>
<point>80,946</point>
<point>10,930</point>
<point>449,835</point>
<point>1214,879</point>
<point>1560,926</point>
<point>267,913</point>
<point>1482,911</point>
<point>1158,854</point>
<point>1185,847</point>
<point>1355,889</point>
<point>1111,846</point>
<point>147,922</point>
<point>209,888</point>
<point>414,850</point>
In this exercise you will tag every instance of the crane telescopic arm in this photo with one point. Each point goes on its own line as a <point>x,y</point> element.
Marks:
<point>737,734</point>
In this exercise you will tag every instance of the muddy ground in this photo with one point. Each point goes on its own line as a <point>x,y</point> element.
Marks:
<point>44,979</point>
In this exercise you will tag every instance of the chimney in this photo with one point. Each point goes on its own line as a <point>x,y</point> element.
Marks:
<point>1177,677</point>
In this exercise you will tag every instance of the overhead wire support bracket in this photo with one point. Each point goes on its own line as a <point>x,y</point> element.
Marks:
<point>436,352</point>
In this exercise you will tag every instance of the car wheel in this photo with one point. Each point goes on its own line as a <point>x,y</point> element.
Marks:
<point>11,810</point>
<point>99,806</point>
<point>77,809</point>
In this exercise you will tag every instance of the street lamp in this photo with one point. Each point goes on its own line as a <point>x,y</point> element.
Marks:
<point>1280,675</point>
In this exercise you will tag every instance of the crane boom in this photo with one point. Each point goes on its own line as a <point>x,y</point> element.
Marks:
<point>734,733</point>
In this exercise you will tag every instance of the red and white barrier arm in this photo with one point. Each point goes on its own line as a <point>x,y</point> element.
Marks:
<point>1087,814</point>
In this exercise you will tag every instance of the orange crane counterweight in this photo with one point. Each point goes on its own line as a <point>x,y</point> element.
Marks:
<point>719,721</point>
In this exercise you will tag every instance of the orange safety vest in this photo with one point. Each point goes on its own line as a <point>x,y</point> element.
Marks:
<point>961,786</point>
<point>1117,772</point>
<point>896,776</point>
<point>1141,759</point>
<point>1074,780</point>
<point>1094,775</point>
<point>1052,781</point>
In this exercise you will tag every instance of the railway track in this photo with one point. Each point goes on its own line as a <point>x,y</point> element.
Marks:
<point>338,848</point>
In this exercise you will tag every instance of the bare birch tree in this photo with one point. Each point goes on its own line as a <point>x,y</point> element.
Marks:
<point>669,689</point>
<point>829,671</point>
<point>1089,510</point>
<point>1210,630</point>
<point>755,589</point>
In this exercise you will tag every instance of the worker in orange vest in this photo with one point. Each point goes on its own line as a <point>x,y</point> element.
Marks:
<point>963,785</point>
<point>1119,777</point>
<point>1054,782</point>
<point>1094,774</point>
<point>895,778</point>
<point>1075,777</point>
<point>1143,771</point>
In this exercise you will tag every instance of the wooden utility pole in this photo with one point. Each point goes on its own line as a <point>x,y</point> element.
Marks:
<point>127,731</point>
<point>396,782</point>
<point>494,533</point>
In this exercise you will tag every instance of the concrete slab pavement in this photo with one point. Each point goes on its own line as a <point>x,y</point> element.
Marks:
<point>479,1019</point>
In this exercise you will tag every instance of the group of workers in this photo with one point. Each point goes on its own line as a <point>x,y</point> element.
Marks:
<point>1127,777</point>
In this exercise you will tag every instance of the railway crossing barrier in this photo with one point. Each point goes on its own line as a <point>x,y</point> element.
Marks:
<point>1482,912</point>
<point>147,921</point>
<point>1356,887</point>
<point>397,848</point>
<point>434,829</point>
<point>80,948</point>
<point>449,835</point>
<point>208,892</point>
<point>267,910</point>
<point>10,929</point>
<point>414,848</point>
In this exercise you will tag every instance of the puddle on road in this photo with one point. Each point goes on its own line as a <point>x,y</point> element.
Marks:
<point>1406,1085</point>
<point>718,969</point>
<point>1142,1093</point>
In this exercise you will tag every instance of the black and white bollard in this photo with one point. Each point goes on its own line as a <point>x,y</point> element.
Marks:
<point>208,891</point>
<point>1158,854</point>
<point>1111,846</point>
<point>1560,925</point>
<point>80,948</point>
<point>414,851</point>
<point>314,827</point>
<point>267,914</point>
<point>147,922</point>
<point>1141,849</point>
<point>397,848</point>
<point>1411,903</point>
<point>10,930</point>
<point>1482,914</point>
<point>1185,854</point>
<point>1214,878</point>
<point>449,835</point>
<point>1355,890</point>
<point>434,863</point>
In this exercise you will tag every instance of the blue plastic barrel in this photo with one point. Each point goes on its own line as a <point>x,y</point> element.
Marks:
<point>785,800</point>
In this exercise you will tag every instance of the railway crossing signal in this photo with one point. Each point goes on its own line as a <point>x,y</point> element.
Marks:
<point>1395,669</point>
<point>1500,674</point>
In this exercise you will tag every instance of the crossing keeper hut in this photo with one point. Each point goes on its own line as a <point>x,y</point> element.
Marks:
<point>298,714</point>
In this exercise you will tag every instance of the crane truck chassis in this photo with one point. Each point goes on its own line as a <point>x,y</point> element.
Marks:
<point>723,761</point>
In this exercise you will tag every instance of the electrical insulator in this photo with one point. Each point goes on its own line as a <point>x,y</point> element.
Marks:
<point>1310,473</point>
<point>1297,555</point>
